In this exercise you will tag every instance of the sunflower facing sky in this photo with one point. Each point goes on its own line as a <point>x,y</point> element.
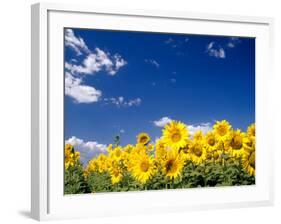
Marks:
<point>175,134</point>
<point>143,167</point>
<point>234,143</point>
<point>222,129</point>
<point>198,151</point>
<point>173,164</point>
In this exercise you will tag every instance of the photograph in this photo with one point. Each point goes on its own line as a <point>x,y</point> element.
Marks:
<point>150,111</point>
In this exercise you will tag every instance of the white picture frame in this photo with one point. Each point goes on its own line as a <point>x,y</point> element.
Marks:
<point>47,199</point>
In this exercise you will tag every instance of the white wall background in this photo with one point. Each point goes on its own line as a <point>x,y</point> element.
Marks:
<point>15,110</point>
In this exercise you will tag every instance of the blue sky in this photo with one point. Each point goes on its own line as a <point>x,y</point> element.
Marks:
<point>119,82</point>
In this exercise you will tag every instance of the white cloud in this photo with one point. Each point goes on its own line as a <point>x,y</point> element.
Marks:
<point>96,61</point>
<point>134,102</point>
<point>75,43</point>
<point>177,44</point>
<point>215,50</point>
<point>122,131</point>
<point>120,101</point>
<point>204,127</point>
<point>119,61</point>
<point>153,62</point>
<point>233,42</point>
<point>87,149</point>
<point>92,62</point>
<point>162,122</point>
<point>173,80</point>
<point>80,93</point>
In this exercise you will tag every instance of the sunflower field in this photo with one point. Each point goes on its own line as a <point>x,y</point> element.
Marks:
<point>221,157</point>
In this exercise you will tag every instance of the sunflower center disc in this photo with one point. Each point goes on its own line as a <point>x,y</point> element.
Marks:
<point>169,165</point>
<point>222,131</point>
<point>143,139</point>
<point>185,149</point>
<point>116,173</point>
<point>198,151</point>
<point>236,143</point>
<point>211,141</point>
<point>176,137</point>
<point>144,166</point>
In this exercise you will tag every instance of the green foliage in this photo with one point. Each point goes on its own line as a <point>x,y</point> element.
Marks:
<point>205,175</point>
<point>214,174</point>
<point>99,182</point>
<point>74,182</point>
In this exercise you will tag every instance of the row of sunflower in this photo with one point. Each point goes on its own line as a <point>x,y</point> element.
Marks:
<point>222,156</point>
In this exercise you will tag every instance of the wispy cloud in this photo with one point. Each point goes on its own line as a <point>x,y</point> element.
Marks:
<point>121,102</point>
<point>215,50</point>
<point>152,62</point>
<point>204,127</point>
<point>162,122</point>
<point>75,43</point>
<point>177,44</point>
<point>87,149</point>
<point>96,61</point>
<point>92,61</point>
<point>79,92</point>
<point>233,42</point>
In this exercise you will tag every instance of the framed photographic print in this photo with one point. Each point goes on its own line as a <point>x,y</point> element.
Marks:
<point>147,111</point>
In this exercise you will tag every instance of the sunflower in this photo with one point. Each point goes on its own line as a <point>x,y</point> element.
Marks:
<point>69,148</point>
<point>198,135</point>
<point>143,168</point>
<point>248,161</point>
<point>92,166</point>
<point>211,141</point>
<point>102,162</point>
<point>116,153</point>
<point>150,147</point>
<point>234,143</point>
<point>213,146</point>
<point>71,157</point>
<point>251,131</point>
<point>76,156</point>
<point>222,129</point>
<point>175,135</point>
<point>109,147</point>
<point>115,174</point>
<point>198,152</point>
<point>173,164</point>
<point>185,151</point>
<point>139,149</point>
<point>160,151</point>
<point>143,138</point>
<point>249,143</point>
